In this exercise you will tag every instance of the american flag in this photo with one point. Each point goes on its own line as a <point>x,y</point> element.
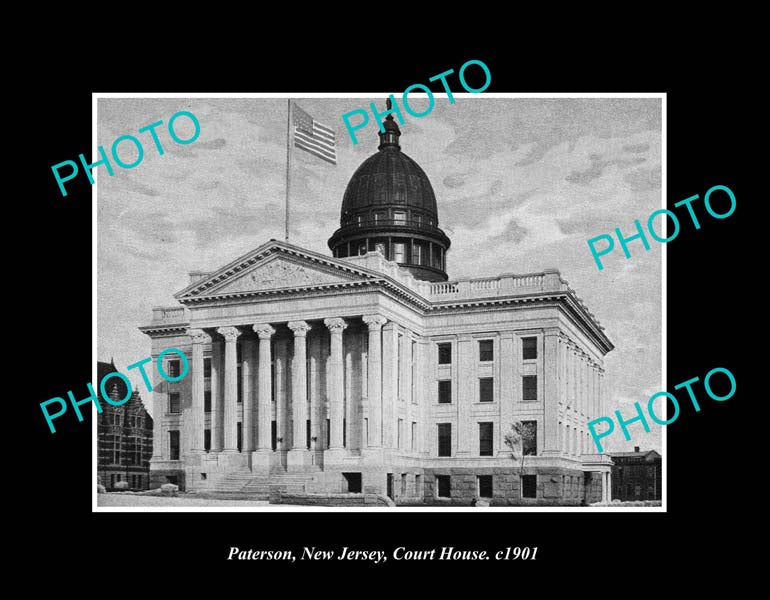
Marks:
<point>313,137</point>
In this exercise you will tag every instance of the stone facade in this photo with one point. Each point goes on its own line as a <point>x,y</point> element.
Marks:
<point>330,369</point>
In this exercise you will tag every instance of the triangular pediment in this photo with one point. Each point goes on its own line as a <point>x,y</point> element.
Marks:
<point>275,266</point>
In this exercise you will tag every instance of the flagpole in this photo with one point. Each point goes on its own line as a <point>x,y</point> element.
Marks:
<point>288,167</point>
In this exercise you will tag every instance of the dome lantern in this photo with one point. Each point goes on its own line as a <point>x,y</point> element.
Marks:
<point>389,206</point>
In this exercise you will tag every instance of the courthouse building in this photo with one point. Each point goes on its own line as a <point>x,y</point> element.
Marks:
<point>370,371</point>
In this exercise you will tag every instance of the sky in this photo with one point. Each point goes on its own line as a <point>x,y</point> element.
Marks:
<point>521,185</point>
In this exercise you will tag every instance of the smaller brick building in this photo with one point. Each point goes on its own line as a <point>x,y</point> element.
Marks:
<point>124,437</point>
<point>637,475</point>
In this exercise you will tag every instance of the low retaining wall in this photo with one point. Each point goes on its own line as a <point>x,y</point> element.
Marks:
<point>368,500</point>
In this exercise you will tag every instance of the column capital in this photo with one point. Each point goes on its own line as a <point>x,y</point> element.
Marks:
<point>375,322</point>
<point>198,336</point>
<point>335,325</point>
<point>300,328</point>
<point>264,330</point>
<point>229,333</point>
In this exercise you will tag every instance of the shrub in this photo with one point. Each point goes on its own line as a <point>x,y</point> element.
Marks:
<point>169,489</point>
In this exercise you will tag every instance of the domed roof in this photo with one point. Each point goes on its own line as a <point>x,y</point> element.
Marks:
<point>389,177</point>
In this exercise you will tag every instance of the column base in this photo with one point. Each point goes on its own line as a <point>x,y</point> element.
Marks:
<point>297,459</point>
<point>263,459</point>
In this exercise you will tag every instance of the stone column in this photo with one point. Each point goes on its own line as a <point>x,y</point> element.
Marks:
<point>374,378</point>
<point>216,395</point>
<point>247,369</point>
<point>550,393</point>
<point>264,396</point>
<point>298,455</point>
<point>406,384</point>
<point>314,383</point>
<point>279,385</point>
<point>231,387</point>
<point>464,387</point>
<point>389,383</point>
<point>199,338</point>
<point>336,383</point>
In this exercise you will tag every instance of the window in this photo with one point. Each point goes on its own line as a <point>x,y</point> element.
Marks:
<point>173,444</point>
<point>399,252</point>
<point>239,436</point>
<point>485,439</point>
<point>366,431</point>
<point>112,480</point>
<point>207,401</point>
<point>486,350</point>
<point>418,485</point>
<point>445,353</point>
<point>445,439</point>
<point>445,391</point>
<point>403,484</point>
<point>173,368</point>
<point>529,486</point>
<point>207,367</point>
<point>173,403</point>
<point>443,486</point>
<point>529,388</point>
<point>362,248</point>
<point>486,389</point>
<point>328,433</point>
<point>417,254</point>
<point>400,433</point>
<point>273,435</point>
<point>484,486</point>
<point>414,362</point>
<point>207,440</point>
<point>529,438</point>
<point>414,435</point>
<point>354,482</point>
<point>399,217</point>
<point>307,433</point>
<point>239,395</point>
<point>379,216</point>
<point>529,348</point>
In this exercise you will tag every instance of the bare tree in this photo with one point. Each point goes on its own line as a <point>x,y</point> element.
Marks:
<point>514,439</point>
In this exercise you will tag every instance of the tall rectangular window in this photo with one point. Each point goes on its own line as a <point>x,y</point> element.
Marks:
<point>417,254</point>
<point>529,438</point>
<point>485,439</point>
<point>529,348</point>
<point>443,486</point>
<point>484,486</point>
<point>207,401</point>
<point>239,436</point>
<point>399,252</point>
<point>486,389</point>
<point>414,435</point>
<point>414,362</point>
<point>486,350</point>
<point>307,433</point>
<point>173,368</point>
<point>273,435</point>
<point>174,404</point>
<point>328,433</point>
<point>529,486</point>
<point>445,353</point>
<point>399,217</point>
<point>400,434</point>
<point>445,439</point>
<point>239,395</point>
<point>207,367</point>
<point>445,391</point>
<point>173,444</point>
<point>207,440</point>
<point>529,388</point>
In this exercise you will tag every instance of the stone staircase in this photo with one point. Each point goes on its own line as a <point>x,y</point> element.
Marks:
<point>260,486</point>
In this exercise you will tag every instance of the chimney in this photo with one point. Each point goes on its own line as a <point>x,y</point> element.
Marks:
<point>636,448</point>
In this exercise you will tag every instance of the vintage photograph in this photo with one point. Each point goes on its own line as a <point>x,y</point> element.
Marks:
<point>411,322</point>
